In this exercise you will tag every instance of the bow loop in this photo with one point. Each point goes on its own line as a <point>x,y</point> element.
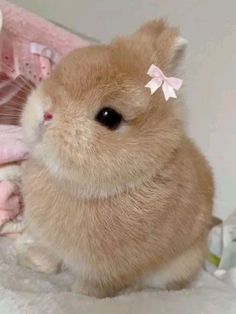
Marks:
<point>175,82</point>
<point>169,84</point>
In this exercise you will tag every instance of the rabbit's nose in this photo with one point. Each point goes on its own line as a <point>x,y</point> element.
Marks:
<point>47,116</point>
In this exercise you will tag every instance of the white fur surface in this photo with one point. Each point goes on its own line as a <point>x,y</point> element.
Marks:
<point>24,291</point>
<point>10,172</point>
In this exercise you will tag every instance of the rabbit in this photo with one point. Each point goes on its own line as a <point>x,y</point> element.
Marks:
<point>114,189</point>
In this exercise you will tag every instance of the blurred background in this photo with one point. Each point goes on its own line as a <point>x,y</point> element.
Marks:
<point>210,28</point>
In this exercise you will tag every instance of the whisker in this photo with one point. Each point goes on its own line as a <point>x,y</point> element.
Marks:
<point>23,89</point>
<point>26,86</point>
<point>13,103</point>
<point>29,84</point>
<point>13,107</point>
<point>13,112</point>
<point>8,96</point>
<point>16,97</point>
<point>19,81</point>
<point>10,122</point>
<point>3,114</point>
<point>9,115</point>
<point>13,96</point>
<point>4,119</point>
<point>24,82</point>
<point>6,83</point>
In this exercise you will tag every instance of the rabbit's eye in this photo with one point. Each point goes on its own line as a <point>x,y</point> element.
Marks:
<point>109,118</point>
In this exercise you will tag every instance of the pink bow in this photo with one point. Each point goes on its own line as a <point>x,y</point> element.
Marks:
<point>169,84</point>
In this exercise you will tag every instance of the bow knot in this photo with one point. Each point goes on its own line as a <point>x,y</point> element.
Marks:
<point>169,84</point>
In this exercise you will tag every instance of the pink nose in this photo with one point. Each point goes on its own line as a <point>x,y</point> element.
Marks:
<point>47,116</point>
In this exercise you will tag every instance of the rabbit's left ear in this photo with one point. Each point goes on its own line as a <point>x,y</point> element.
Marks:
<point>160,44</point>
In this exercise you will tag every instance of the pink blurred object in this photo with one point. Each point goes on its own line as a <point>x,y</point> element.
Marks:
<point>12,148</point>
<point>12,153</point>
<point>33,28</point>
<point>10,203</point>
<point>30,47</point>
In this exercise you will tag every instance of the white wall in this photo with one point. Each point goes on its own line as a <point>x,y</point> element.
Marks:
<point>210,27</point>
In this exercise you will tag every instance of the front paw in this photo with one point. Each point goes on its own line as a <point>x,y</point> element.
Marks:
<point>35,257</point>
<point>89,288</point>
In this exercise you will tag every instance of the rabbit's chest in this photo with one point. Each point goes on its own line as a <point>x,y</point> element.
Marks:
<point>82,231</point>
<point>90,234</point>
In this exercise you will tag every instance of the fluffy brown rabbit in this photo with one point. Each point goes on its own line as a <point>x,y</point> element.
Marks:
<point>114,188</point>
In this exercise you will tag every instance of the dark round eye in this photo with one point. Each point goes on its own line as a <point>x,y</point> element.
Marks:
<point>109,118</point>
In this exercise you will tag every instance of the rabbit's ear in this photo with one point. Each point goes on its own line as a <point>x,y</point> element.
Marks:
<point>160,44</point>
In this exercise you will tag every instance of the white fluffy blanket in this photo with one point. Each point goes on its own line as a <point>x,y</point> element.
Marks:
<point>23,291</point>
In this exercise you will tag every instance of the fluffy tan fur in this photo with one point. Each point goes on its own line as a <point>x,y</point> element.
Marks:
<point>118,207</point>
